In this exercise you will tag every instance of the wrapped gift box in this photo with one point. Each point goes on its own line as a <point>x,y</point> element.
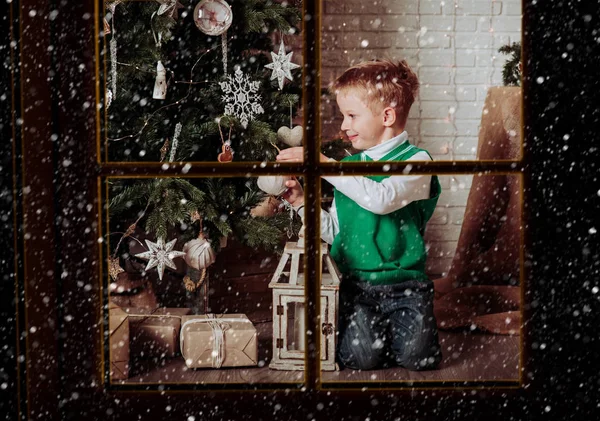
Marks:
<point>132,290</point>
<point>155,332</point>
<point>215,341</point>
<point>118,326</point>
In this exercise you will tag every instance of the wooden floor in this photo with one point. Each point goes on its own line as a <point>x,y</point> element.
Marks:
<point>467,356</point>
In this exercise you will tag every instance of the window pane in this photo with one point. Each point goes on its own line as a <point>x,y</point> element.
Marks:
<point>172,73</point>
<point>197,268</point>
<point>466,56</point>
<point>463,326</point>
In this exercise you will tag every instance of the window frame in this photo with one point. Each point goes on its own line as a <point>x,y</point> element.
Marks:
<point>46,304</point>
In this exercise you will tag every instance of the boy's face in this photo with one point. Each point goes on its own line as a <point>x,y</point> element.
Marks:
<point>363,128</point>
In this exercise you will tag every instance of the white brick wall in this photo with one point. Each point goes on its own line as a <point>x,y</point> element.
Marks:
<point>453,46</point>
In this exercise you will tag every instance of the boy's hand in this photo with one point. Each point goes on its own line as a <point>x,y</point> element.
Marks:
<point>294,193</point>
<point>295,154</point>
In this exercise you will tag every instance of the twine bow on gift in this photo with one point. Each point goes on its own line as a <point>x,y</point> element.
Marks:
<point>218,331</point>
<point>218,327</point>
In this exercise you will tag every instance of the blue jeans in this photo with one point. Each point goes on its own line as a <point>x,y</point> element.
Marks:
<point>385,325</point>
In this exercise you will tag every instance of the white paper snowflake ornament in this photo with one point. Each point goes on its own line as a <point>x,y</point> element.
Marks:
<point>241,97</point>
<point>282,65</point>
<point>160,255</point>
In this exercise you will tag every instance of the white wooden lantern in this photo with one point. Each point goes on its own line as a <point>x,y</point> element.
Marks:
<point>289,303</point>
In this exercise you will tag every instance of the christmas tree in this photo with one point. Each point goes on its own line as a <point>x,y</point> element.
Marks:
<point>210,81</point>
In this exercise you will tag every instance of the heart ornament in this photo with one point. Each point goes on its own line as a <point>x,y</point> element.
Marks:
<point>291,137</point>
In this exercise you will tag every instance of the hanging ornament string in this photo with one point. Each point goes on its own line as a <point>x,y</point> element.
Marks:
<point>190,285</point>
<point>147,121</point>
<point>275,146</point>
<point>195,216</point>
<point>114,267</point>
<point>128,235</point>
<point>221,132</point>
<point>130,230</point>
<point>291,118</point>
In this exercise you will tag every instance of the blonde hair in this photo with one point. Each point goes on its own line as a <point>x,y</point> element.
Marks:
<point>383,84</point>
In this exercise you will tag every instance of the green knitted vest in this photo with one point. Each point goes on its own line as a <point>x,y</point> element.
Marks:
<point>383,249</point>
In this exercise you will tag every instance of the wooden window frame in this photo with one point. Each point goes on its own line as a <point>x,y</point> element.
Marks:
<point>54,166</point>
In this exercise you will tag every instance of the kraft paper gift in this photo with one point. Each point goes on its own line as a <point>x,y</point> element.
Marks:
<point>118,326</point>
<point>218,340</point>
<point>155,332</point>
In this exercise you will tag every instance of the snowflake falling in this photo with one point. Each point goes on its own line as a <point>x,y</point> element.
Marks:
<point>281,66</point>
<point>241,98</point>
<point>160,255</point>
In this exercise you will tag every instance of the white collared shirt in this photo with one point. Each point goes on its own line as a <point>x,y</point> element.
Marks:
<point>381,198</point>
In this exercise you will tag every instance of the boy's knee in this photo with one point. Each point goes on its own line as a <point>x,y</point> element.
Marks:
<point>358,361</point>
<point>426,358</point>
<point>358,355</point>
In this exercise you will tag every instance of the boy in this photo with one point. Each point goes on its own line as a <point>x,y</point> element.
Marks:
<point>376,224</point>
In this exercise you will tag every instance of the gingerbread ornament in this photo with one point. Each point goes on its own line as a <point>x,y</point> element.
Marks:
<point>226,154</point>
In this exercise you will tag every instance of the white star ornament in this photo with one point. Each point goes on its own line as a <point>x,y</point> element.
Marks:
<point>282,65</point>
<point>160,255</point>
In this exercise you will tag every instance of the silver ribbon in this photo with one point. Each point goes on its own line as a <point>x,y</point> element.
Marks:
<point>218,331</point>
<point>218,327</point>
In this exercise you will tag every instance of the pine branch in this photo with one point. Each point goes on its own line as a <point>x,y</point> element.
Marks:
<point>192,192</point>
<point>155,224</point>
<point>250,199</point>
<point>255,20</point>
<point>129,197</point>
<point>258,232</point>
<point>284,100</point>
